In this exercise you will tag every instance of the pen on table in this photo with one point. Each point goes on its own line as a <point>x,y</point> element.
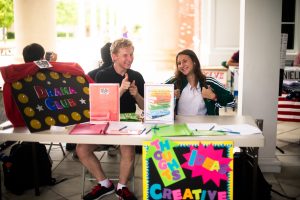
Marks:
<point>122,128</point>
<point>148,131</point>
<point>6,127</point>
<point>232,132</point>
<point>212,128</point>
<point>143,130</point>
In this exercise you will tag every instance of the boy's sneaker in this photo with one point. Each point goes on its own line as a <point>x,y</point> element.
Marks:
<point>99,191</point>
<point>125,194</point>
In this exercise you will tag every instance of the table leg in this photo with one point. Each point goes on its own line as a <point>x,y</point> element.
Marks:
<point>254,172</point>
<point>0,186</point>
<point>35,170</point>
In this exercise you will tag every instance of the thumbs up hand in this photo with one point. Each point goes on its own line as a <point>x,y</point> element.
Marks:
<point>208,93</point>
<point>125,84</point>
<point>133,89</point>
<point>177,93</point>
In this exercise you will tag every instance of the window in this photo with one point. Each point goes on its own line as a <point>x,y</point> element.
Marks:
<point>288,21</point>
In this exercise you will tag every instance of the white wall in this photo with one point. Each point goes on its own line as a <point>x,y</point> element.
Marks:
<point>219,30</point>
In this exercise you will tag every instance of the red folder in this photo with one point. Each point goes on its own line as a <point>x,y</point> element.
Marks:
<point>89,129</point>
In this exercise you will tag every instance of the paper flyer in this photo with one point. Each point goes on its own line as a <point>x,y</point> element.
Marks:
<point>104,102</point>
<point>159,103</point>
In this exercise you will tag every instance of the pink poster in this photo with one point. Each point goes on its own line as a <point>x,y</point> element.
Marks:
<point>104,102</point>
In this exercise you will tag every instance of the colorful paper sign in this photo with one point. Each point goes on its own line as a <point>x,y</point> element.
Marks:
<point>220,75</point>
<point>159,103</point>
<point>49,98</point>
<point>104,102</point>
<point>187,170</point>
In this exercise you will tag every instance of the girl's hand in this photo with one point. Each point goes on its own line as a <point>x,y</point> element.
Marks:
<point>208,93</point>
<point>177,93</point>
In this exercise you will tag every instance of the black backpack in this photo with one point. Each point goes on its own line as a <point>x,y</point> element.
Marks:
<point>18,167</point>
<point>242,179</point>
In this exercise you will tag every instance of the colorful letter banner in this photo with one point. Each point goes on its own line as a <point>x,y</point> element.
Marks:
<point>50,98</point>
<point>187,170</point>
<point>159,103</point>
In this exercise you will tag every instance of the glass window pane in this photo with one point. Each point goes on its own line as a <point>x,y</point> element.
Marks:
<point>288,11</point>
<point>290,30</point>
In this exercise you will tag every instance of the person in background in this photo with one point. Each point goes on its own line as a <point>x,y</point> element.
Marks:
<point>297,61</point>
<point>131,93</point>
<point>106,60</point>
<point>195,93</point>
<point>234,60</point>
<point>34,52</point>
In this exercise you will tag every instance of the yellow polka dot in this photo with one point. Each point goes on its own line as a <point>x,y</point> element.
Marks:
<point>23,98</point>
<point>54,75</point>
<point>17,85</point>
<point>50,121</point>
<point>67,75</point>
<point>86,90</point>
<point>41,76</point>
<point>29,112</point>
<point>86,113</point>
<point>76,116</point>
<point>63,118</point>
<point>80,79</point>
<point>28,79</point>
<point>36,124</point>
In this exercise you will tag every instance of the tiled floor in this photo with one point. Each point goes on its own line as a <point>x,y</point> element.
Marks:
<point>286,182</point>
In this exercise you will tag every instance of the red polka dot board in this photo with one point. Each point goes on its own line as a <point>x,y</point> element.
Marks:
<point>48,98</point>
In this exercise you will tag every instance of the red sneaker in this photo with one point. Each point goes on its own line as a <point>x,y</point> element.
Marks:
<point>99,191</point>
<point>125,194</point>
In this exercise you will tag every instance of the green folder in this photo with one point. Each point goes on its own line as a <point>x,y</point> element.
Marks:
<point>181,130</point>
<point>171,130</point>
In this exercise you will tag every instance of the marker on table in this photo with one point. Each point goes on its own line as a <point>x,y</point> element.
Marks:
<point>148,131</point>
<point>212,128</point>
<point>232,132</point>
<point>143,130</point>
<point>122,128</point>
<point>6,127</point>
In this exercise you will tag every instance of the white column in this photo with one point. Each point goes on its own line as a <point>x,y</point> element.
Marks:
<point>34,22</point>
<point>259,71</point>
<point>161,32</point>
<point>93,20</point>
<point>80,29</point>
